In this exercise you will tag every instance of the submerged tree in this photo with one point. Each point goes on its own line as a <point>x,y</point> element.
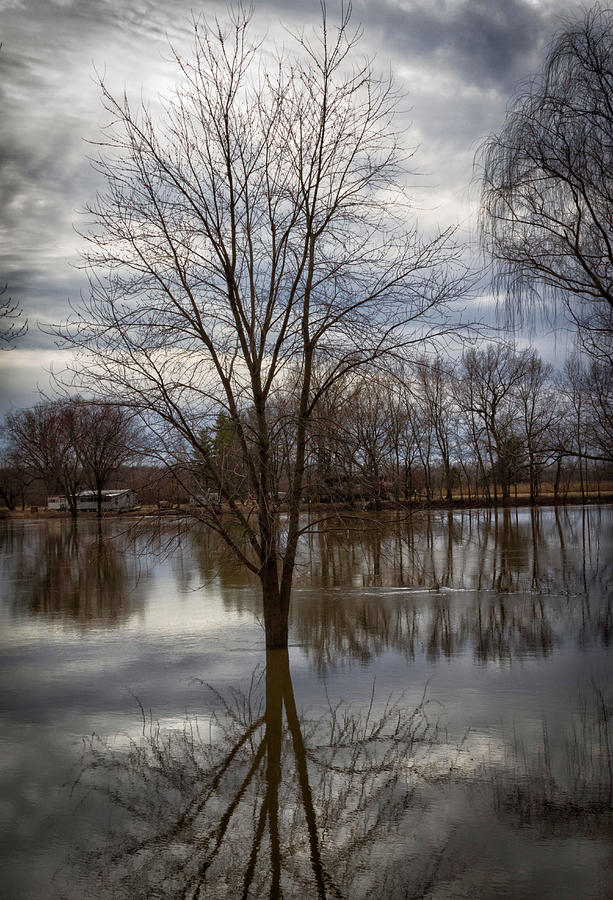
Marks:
<point>255,233</point>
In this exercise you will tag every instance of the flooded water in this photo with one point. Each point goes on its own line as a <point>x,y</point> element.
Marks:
<point>441,727</point>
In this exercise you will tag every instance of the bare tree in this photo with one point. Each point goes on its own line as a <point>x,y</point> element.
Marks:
<point>256,229</point>
<point>12,326</point>
<point>574,436</point>
<point>588,391</point>
<point>490,379</point>
<point>14,481</point>
<point>420,435</point>
<point>539,414</point>
<point>598,388</point>
<point>371,434</point>
<point>43,439</point>
<point>547,190</point>
<point>332,473</point>
<point>436,400</point>
<point>104,440</point>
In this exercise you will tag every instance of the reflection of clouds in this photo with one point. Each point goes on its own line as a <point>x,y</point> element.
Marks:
<point>567,780</point>
<point>463,760</point>
<point>264,801</point>
<point>269,802</point>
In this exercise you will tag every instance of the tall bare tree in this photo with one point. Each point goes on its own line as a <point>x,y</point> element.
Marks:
<point>490,378</point>
<point>435,397</point>
<point>588,392</point>
<point>598,387</point>
<point>538,418</point>
<point>258,227</point>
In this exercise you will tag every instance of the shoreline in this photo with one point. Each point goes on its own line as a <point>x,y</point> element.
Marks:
<point>571,498</point>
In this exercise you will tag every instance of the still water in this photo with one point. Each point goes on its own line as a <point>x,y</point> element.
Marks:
<point>441,727</point>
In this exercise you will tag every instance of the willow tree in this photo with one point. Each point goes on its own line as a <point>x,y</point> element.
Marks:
<point>547,186</point>
<point>251,231</point>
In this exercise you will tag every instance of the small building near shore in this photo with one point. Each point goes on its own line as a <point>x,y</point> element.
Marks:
<point>119,500</point>
<point>57,502</point>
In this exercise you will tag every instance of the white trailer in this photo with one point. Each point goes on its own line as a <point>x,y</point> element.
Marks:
<point>117,500</point>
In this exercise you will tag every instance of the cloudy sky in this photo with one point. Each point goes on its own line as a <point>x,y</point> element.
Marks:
<point>458,61</point>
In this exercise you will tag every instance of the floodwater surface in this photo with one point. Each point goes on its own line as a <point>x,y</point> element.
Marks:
<point>441,726</point>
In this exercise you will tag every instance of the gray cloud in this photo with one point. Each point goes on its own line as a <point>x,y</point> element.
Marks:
<point>458,62</point>
<point>484,41</point>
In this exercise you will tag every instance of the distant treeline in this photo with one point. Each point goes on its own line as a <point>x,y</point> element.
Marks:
<point>432,429</point>
<point>469,429</point>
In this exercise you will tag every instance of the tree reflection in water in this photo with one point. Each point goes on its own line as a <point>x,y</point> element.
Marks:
<point>499,585</point>
<point>269,803</point>
<point>80,575</point>
<point>570,784</point>
<point>266,802</point>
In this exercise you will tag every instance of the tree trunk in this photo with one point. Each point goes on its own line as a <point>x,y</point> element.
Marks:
<point>274,742</point>
<point>8,499</point>
<point>408,481</point>
<point>581,476</point>
<point>448,485</point>
<point>556,486</point>
<point>428,477</point>
<point>72,504</point>
<point>293,723</point>
<point>279,694</point>
<point>275,606</point>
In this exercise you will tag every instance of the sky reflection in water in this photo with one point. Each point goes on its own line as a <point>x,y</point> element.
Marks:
<point>503,619</point>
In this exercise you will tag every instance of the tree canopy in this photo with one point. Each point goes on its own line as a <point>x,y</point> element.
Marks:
<point>255,231</point>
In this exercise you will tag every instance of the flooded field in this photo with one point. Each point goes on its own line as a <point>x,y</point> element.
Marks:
<point>441,727</point>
